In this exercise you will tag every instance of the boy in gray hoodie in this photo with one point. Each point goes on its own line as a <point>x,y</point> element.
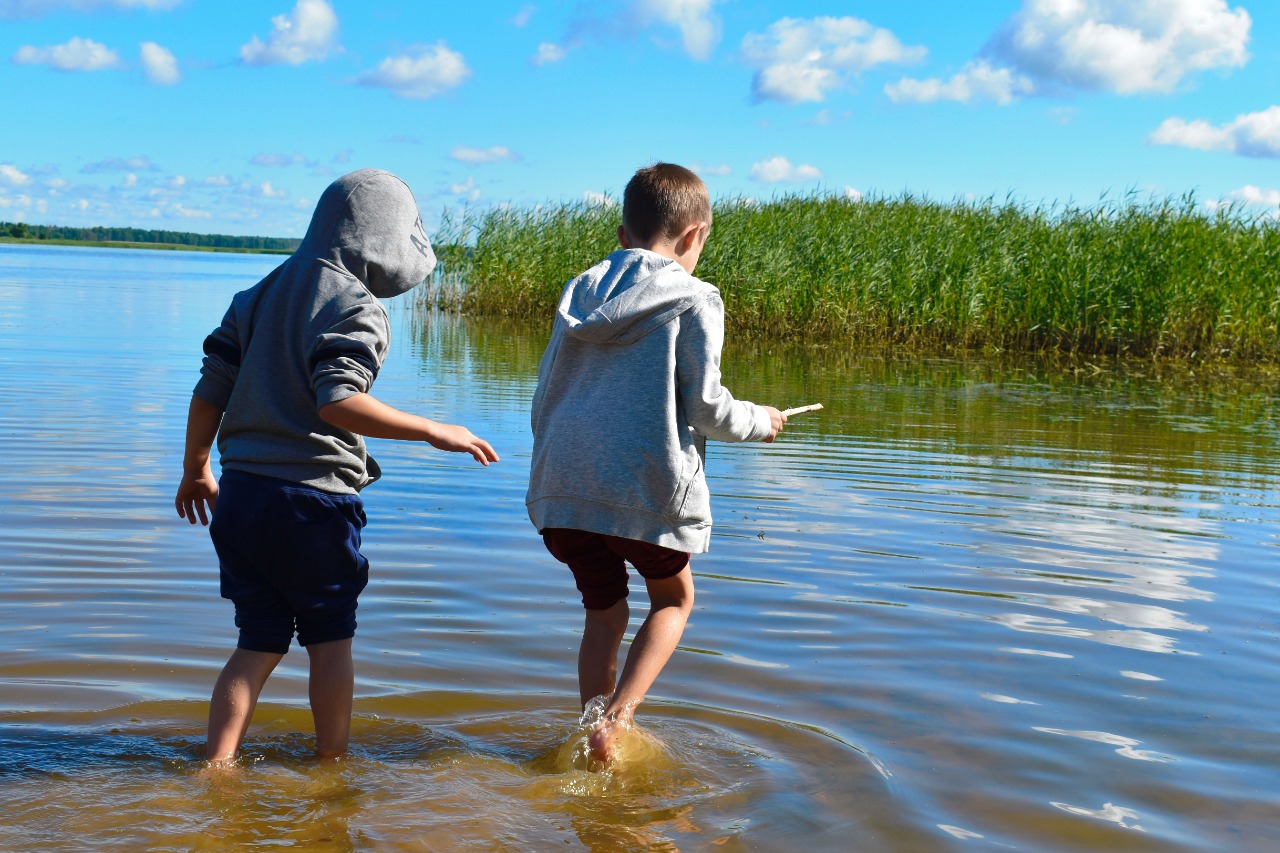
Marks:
<point>628,392</point>
<point>285,389</point>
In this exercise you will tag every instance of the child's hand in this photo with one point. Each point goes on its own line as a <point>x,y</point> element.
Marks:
<point>459,439</point>
<point>195,493</point>
<point>777,420</point>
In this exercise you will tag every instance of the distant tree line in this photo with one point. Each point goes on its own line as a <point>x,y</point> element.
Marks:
<point>102,234</point>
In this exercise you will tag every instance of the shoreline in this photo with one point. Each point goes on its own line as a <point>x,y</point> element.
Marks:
<point>121,244</point>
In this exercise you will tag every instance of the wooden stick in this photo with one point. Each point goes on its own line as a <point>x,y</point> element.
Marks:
<point>800,410</point>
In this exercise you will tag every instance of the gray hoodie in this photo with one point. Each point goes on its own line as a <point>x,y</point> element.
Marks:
<point>628,392</point>
<point>313,332</point>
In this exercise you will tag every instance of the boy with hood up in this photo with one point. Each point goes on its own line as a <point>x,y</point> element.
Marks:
<point>285,389</point>
<point>628,392</point>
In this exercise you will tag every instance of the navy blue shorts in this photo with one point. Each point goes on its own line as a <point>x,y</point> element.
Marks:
<point>290,560</point>
<point>599,562</point>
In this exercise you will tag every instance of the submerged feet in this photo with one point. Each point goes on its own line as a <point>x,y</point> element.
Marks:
<point>608,728</point>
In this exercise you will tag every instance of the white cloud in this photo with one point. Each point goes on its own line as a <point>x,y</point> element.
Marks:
<point>1249,194</point>
<point>129,180</point>
<point>596,199</point>
<point>779,170</point>
<point>1251,134</point>
<point>467,189</point>
<point>119,164</point>
<point>522,17</point>
<point>548,54</point>
<point>801,60</point>
<point>309,34</point>
<point>852,194</point>
<point>266,190</point>
<point>699,27</point>
<point>977,81</point>
<point>189,212</point>
<point>160,65</point>
<point>13,176</point>
<point>79,54</point>
<point>480,156</point>
<point>277,161</point>
<point>1122,46</point>
<point>704,170</point>
<point>14,9</point>
<point>217,181</point>
<point>178,182</point>
<point>431,71</point>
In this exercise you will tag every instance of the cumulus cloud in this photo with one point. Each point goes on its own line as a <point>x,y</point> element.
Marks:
<point>11,175</point>
<point>430,71</point>
<point>596,199</point>
<point>1249,194</point>
<point>120,164</point>
<point>467,189</point>
<point>217,181</point>
<point>977,81</point>
<point>800,60</point>
<point>699,26</point>
<point>1121,46</point>
<point>267,190</point>
<point>1126,47</point>
<point>79,54</point>
<point>308,34</point>
<point>779,170</point>
<point>548,54</point>
<point>1251,134</point>
<point>480,156</point>
<point>159,64</point>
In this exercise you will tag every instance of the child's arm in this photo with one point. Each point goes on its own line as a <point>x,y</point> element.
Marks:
<point>710,408</point>
<point>198,488</point>
<point>366,415</point>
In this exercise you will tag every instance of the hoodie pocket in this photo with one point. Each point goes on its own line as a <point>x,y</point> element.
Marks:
<point>690,477</point>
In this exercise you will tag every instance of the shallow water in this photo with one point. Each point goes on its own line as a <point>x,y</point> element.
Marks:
<point>966,607</point>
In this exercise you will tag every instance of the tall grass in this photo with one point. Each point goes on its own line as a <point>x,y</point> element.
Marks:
<point>1156,279</point>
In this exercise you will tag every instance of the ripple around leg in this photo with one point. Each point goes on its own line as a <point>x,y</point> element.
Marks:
<point>456,768</point>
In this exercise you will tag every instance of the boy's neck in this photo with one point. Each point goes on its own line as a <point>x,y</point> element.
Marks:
<point>684,249</point>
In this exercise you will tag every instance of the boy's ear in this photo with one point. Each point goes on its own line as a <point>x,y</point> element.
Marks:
<point>622,238</point>
<point>690,237</point>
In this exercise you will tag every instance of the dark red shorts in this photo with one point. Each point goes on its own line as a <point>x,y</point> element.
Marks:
<point>598,562</point>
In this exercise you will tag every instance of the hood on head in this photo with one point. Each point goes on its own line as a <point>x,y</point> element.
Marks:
<point>628,295</point>
<point>367,222</point>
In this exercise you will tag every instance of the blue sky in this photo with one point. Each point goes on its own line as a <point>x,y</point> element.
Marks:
<point>231,117</point>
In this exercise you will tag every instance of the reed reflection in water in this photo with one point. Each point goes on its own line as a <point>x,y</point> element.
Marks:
<point>967,606</point>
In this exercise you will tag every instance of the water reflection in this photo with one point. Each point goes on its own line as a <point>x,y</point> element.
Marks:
<point>1014,605</point>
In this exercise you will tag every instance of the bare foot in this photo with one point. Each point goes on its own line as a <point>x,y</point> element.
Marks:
<point>602,745</point>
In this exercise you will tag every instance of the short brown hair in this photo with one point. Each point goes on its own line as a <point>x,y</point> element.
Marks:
<point>663,200</point>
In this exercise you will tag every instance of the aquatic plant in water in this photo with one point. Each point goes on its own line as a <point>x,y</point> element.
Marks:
<point>1161,279</point>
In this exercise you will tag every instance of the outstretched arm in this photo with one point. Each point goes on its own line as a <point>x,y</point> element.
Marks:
<point>198,489</point>
<point>366,415</point>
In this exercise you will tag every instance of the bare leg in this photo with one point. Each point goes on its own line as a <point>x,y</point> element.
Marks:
<point>330,687</point>
<point>598,654</point>
<point>235,695</point>
<point>670,602</point>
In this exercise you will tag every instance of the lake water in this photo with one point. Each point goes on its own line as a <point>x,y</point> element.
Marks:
<point>966,607</point>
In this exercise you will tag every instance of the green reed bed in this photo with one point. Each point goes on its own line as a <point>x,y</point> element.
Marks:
<point>1159,279</point>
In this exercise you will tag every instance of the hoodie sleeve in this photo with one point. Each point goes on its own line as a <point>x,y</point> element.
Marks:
<point>708,405</point>
<point>346,356</point>
<point>221,363</point>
